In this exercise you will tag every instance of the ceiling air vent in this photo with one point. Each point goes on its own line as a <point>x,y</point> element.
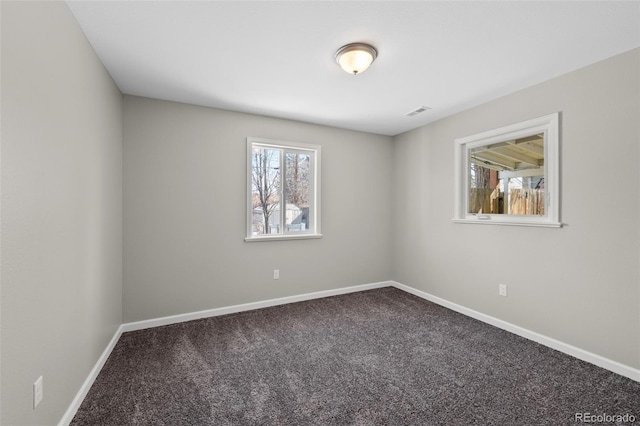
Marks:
<point>417,111</point>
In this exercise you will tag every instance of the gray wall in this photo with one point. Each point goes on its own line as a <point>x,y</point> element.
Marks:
<point>184,211</point>
<point>579,284</point>
<point>61,209</point>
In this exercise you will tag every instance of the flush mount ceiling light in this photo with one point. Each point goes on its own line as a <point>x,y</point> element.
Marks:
<point>355,58</point>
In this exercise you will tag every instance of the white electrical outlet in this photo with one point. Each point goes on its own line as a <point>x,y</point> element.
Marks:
<point>276,274</point>
<point>502,290</point>
<point>37,392</point>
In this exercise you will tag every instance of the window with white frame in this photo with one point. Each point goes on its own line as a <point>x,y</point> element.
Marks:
<point>509,175</point>
<point>283,190</point>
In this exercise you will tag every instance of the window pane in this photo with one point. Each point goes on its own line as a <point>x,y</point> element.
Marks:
<point>266,191</point>
<point>297,191</point>
<point>508,177</point>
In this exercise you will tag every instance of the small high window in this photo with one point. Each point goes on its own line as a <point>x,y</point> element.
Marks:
<point>283,190</point>
<point>510,175</point>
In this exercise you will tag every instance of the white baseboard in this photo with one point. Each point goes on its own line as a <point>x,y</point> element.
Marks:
<point>84,389</point>
<point>174,319</point>
<point>600,361</point>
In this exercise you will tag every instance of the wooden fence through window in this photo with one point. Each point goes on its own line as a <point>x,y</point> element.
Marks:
<point>521,201</point>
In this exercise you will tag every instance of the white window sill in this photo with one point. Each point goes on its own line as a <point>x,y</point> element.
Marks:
<point>261,238</point>
<point>518,222</point>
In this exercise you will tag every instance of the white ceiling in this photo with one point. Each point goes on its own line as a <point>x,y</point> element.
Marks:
<point>277,58</point>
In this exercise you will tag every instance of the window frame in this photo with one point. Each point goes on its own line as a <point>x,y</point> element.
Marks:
<point>549,126</point>
<point>314,203</point>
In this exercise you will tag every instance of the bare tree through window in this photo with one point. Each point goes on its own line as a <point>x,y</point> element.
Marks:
<point>265,175</point>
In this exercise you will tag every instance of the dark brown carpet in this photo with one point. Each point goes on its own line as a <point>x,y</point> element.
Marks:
<point>379,357</point>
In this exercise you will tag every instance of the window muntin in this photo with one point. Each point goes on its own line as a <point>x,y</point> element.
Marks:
<point>283,190</point>
<point>510,175</point>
